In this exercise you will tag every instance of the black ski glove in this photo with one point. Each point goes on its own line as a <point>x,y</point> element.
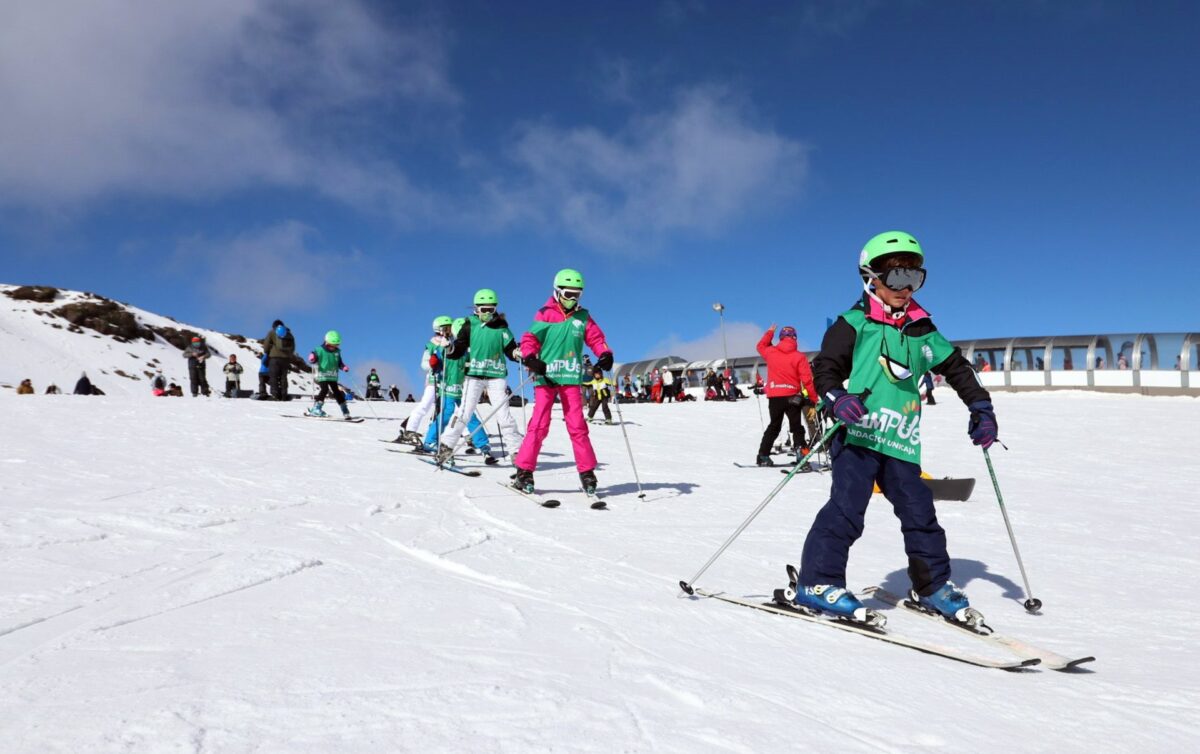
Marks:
<point>605,361</point>
<point>534,364</point>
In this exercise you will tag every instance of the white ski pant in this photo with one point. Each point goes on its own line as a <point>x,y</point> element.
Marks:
<point>473,389</point>
<point>423,409</point>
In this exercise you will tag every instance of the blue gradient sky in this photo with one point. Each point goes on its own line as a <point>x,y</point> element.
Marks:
<point>367,166</point>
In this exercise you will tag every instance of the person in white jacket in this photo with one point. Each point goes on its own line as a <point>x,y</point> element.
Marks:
<point>431,365</point>
<point>668,385</point>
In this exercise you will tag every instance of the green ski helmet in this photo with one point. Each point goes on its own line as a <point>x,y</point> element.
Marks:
<point>456,325</point>
<point>333,338</point>
<point>886,244</point>
<point>568,278</point>
<point>485,297</point>
<point>568,287</point>
<point>440,322</point>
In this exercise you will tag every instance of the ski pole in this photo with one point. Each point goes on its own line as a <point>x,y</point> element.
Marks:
<point>501,403</point>
<point>621,419</point>
<point>1032,604</point>
<point>368,402</point>
<point>686,586</point>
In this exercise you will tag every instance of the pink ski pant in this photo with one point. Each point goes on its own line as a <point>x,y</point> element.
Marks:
<point>539,427</point>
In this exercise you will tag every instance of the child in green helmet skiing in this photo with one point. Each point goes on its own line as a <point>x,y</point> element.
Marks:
<point>485,342</point>
<point>867,373</point>
<point>327,360</point>
<point>431,364</point>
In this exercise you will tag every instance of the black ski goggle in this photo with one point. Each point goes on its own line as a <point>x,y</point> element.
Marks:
<point>899,278</point>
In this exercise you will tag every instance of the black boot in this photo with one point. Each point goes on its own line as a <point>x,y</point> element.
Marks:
<point>764,460</point>
<point>588,480</point>
<point>523,481</point>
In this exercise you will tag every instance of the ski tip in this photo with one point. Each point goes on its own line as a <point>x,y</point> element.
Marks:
<point>1074,664</point>
<point>687,588</point>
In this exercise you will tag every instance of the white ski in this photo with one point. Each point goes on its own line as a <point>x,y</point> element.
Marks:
<point>1050,660</point>
<point>874,633</point>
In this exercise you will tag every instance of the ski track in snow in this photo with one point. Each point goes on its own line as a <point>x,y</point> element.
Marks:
<point>226,580</point>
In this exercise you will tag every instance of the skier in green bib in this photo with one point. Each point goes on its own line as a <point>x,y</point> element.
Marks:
<point>868,373</point>
<point>487,345</point>
<point>327,358</point>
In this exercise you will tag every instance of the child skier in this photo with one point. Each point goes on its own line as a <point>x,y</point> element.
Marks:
<point>452,385</point>
<point>601,391</point>
<point>328,360</point>
<point>233,377</point>
<point>882,346</point>
<point>431,364</point>
<point>484,341</point>
<point>551,351</point>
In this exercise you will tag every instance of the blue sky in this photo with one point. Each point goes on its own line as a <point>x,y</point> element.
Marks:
<point>366,166</point>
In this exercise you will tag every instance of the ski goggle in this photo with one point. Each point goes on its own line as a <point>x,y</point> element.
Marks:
<point>892,369</point>
<point>571,294</point>
<point>787,332</point>
<point>485,309</point>
<point>899,278</point>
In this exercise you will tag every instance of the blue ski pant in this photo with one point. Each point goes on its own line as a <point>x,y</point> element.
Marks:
<point>840,522</point>
<point>479,436</point>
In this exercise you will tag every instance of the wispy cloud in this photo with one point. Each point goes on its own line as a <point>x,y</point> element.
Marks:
<point>693,168</point>
<point>741,337</point>
<point>262,274</point>
<point>192,99</point>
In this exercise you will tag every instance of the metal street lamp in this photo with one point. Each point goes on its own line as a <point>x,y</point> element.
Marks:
<point>719,308</point>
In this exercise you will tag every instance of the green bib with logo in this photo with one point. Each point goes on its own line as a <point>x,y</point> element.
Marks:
<point>486,357</point>
<point>890,364</point>
<point>453,374</point>
<point>327,364</point>
<point>562,347</point>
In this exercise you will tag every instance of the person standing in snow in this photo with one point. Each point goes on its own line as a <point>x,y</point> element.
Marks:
<point>668,385</point>
<point>233,377</point>
<point>881,346</point>
<point>197,358</point>
<point>485,342</point>
<point>453,376</point>
<point>431,365</point>
<point>789,390</point>
<point>373,384</point>
<point>601,392</point>
<point>394,394</point>
<point>264,375</point>
<point>327,358</point>
<point>550,350</point>
<point>279,345</point>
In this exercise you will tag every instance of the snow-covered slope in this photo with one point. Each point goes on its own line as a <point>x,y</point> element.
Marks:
<point>208,576</point>
<point>47,348</point>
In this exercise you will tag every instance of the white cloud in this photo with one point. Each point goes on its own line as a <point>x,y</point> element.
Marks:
<point>696,167</point>
<point>742,338</point>
<point>261,274</point>
<point>189,99</point>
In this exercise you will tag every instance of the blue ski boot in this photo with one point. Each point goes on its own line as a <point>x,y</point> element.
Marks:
<point>317,409</point>
<point>835,601</point>
<point>950,603</point>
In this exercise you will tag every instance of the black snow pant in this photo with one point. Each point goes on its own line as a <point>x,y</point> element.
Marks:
<point>277,374</point>
<point>331,388</point>
<point>198,377</point>
<point>262,385</point>
<point>231,389</point>
<point>596,403</point>
<point>778,408</point>
<point>840,522</point>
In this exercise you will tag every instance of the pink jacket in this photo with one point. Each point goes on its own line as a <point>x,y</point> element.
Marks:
<point>553,312</point>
